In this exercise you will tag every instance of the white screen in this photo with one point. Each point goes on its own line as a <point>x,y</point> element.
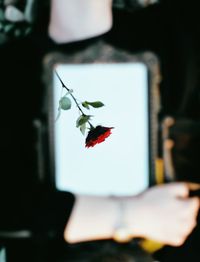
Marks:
<point>119,165</point>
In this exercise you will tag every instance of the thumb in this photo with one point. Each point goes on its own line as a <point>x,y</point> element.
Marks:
<point>182,189</point>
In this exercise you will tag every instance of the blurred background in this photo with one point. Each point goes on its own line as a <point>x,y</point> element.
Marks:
<point>32,213</point>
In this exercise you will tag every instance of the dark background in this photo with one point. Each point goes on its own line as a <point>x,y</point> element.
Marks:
<point>170,30</point>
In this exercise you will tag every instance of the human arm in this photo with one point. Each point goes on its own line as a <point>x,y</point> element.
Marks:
<point>162,213</point>
<point>77,20</point>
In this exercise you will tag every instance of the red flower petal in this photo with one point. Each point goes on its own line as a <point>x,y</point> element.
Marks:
<point>97,135</point>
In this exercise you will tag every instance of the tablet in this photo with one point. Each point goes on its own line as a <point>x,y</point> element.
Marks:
<point>121,164</point>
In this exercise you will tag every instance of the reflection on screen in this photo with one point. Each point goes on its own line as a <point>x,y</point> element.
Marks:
<point>119,165</point>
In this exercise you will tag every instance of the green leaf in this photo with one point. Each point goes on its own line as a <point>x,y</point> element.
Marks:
<point>83,128</point>
<point>65,103</point>
<point>95,104</point>
<point>85,104</point>
<point>82,120</point>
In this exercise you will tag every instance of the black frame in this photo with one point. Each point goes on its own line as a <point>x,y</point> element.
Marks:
<point>100,52</point>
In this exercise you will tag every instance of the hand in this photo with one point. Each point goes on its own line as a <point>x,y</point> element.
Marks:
<point>164,213</point>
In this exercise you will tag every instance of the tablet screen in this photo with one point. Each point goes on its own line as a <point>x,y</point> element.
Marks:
<point>120,164</point>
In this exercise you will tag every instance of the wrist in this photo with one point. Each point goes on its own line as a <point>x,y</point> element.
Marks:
<point>92,218</point>
<point>134,215</point>
<point>127,222</point>
<point>121,229</point>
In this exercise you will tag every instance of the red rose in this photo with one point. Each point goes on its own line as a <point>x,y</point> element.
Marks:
<point>97,135</point>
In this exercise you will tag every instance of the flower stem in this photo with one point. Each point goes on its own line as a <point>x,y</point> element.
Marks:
<point>91,126</point>
<point>64,86</point>
<point>73,97</point>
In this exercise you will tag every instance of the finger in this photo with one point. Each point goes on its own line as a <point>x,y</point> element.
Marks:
<point>195,203</point>
<point>180,189</point>
<point>194,189</point>
<point>191,207</point>
<point>193,186</point>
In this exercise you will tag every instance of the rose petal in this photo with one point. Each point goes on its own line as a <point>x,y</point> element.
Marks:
<point>97,135</point>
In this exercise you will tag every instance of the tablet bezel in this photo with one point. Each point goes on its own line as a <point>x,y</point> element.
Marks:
<point>100,52</point>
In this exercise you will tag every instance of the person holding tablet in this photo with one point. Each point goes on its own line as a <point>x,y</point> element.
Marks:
<point>164,213</point>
